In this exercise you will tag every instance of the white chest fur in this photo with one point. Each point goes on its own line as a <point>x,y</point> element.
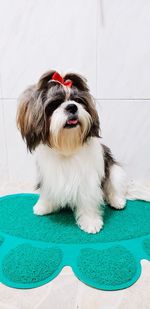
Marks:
<point>65,178</point>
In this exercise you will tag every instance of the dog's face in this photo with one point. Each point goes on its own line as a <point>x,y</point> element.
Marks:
<point>61,116</point>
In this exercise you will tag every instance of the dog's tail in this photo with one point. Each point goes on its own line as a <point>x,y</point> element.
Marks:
<point>138,190</point>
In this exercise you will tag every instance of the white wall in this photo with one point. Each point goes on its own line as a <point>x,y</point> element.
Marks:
<point>107,41</point>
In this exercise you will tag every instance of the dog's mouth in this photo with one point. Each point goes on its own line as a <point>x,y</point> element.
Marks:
<point>71,122</point>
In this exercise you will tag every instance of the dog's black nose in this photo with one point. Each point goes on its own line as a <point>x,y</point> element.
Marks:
<point>71,108</point>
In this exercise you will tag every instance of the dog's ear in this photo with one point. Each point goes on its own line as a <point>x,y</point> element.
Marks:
<point>30,117</point>
<point>78,81</point>
<point>44,79</point>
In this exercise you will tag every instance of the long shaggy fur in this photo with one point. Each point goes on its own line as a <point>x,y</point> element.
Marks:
<point>62,125</point>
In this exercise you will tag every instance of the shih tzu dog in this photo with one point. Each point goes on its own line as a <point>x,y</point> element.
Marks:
<point>57,118</point>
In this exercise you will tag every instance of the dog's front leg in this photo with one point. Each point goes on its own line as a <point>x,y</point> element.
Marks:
<point>44,206</point>
<point>89,213</point>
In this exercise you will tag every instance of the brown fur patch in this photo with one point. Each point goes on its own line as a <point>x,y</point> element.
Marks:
<point>30,118</point>
<point>44,79</point>
<point>67,141</point>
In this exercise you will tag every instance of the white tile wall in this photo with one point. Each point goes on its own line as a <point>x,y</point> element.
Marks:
<point>125,129</point>
<point>123,49</point>
<point>2,146</point>
<point>20,162</point>
<point>39,35</point>
<point>107,41</point>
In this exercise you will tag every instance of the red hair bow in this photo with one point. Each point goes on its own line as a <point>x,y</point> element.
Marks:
<point>57,77</point>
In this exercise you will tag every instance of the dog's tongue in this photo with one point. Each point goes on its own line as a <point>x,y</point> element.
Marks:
<point>72,121</point>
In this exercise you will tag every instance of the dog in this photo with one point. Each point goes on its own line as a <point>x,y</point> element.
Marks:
<point>57,118</point>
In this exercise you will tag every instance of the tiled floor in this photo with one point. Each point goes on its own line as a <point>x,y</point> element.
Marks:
<point>67,292</point>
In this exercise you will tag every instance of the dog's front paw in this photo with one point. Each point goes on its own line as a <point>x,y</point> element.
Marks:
<point>41,208</point>
<point>118,203</point>
<point>90,225</point>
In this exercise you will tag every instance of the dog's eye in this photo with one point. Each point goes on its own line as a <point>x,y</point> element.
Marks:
<point>80,101</point>
<point>52,106</point>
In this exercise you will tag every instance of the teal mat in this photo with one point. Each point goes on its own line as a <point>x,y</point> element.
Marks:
<point>34,249</point>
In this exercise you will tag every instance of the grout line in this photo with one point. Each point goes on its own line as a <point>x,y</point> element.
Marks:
<point>8,98</point>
